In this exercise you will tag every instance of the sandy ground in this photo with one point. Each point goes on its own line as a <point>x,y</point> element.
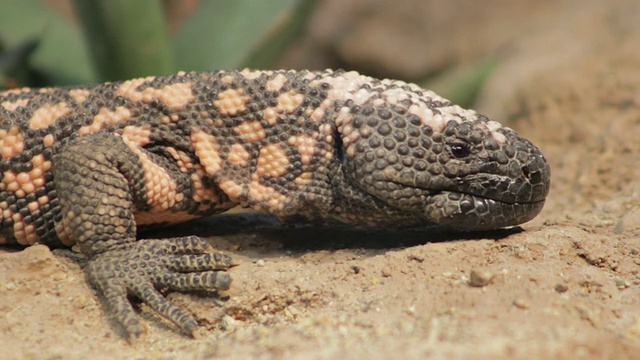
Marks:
<point>565,285</point>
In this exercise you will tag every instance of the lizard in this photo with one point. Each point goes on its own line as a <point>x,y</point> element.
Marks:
<point>89,165</point>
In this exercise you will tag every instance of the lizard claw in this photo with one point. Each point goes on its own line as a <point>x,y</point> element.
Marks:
<point>139,268</point>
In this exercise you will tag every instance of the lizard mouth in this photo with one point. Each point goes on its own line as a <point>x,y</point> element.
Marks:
<point>469,212</point>
<point>472,208</point>
<point>476,209</point>
<point>485,201</point>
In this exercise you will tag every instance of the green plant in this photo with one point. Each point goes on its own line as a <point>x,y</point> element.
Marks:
<point>117,39</point>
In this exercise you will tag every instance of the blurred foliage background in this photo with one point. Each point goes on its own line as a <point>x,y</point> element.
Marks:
<point>45,43</point>
<point>64,42</point>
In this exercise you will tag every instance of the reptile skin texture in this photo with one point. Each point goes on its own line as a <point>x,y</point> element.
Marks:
<point>89,165</point>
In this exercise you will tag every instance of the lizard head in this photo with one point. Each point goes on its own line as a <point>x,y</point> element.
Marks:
<point>418,153</point>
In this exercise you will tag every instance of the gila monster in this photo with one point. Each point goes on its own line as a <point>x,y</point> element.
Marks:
<point>89,165</point>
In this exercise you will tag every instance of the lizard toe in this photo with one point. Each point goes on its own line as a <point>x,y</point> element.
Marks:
<point>140,268</point>
<point>206,280</point>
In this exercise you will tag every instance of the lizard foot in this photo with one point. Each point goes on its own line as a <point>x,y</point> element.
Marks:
<point>140,267</point>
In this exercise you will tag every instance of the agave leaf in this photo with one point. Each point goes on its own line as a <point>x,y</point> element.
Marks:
<point>462,85</point>
<point>127,38</point>
<point>286,28</point>
<point>15,70</point>
<point>61,55</point>
<point>222,34</point>
<point>18,56</point>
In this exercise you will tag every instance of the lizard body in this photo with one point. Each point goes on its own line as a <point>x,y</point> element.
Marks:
<point>88,165</point>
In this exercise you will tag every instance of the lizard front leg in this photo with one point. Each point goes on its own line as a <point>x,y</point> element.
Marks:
<point>99,181</point>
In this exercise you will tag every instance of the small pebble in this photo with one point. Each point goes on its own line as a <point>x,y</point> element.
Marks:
<point>386,271</point>
<point>291,312</point>
<point>480,277</point>
<point>82,302</point>
<point>621,284</point>
<point>561,288</point>
<point>228,323</point>
<point>10,285</point>
<point>411,309</point>
<point>521,304</point>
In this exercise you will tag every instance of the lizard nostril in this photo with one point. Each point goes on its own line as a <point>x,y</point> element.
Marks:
<point>526,172</point>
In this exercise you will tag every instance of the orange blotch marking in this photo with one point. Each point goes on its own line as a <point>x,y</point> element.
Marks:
<point>206,150</point>
<point>277,82</point>
<point>48,114</point>
<point>161,188</point>
<point>349,134</point>
<point>48,140</point>
<point>31,236</point>
<point>129,88</point>
<point>318,113</point>
<point>326,129</point>
<point>272,161</point>
<point>33,206</point>
<point>11,142</point>
<point>42,200</point>
<point>18,229</point>
<point>183,160</point>
<point>287,103</point>
<point>104,118</point>
<point>232,188</point>
<point>304,178</point>
<point>238,155</point>
<point>12,105</point>
<point>139,135</point>
<point>271,115</point>
<point>254,74</point>
<point>202,193</point>
<point>227,79</point>
<point>174,95</point>
<point>6,213</point>
<point>252,131</point>
<point>26,182</point>
<point>79,95</point>
<point>24,234</point>
<point>290,101</point>
<point>231,102</point>
<point>9,181</point>
<point>266,197</point>
<point>306,147</point>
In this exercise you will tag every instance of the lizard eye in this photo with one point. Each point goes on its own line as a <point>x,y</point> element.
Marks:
<point>459,150</point>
